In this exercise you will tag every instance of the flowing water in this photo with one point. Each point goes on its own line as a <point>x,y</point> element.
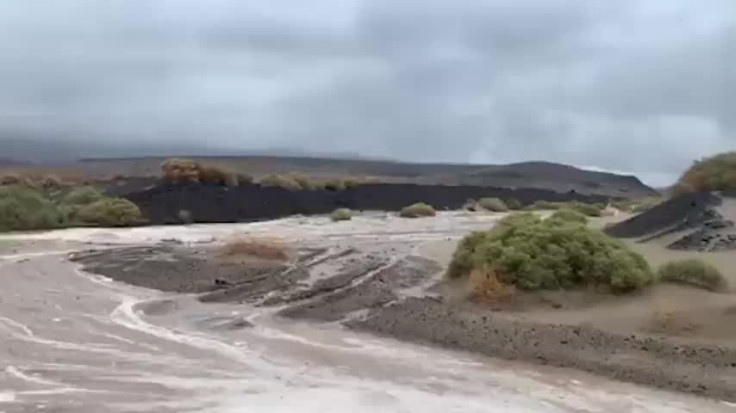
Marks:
<point>77,342</point>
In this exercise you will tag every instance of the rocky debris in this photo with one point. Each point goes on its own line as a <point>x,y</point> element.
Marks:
<point>706,240</point>
<point>379,289</point>
<point>677,214</point>
<point>696,215</point>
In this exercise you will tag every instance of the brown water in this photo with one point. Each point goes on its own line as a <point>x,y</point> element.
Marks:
<point>75,342</point>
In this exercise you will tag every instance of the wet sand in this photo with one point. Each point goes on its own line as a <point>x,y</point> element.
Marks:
<point>273,337</point>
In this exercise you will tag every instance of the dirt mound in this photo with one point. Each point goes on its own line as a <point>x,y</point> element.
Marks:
<point>701,217</point>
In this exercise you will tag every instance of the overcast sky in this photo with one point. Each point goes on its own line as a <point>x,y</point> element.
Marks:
<point>641,86</point>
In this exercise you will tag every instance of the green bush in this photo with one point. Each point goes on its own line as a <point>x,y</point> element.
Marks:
<point>693,272</point>
<point>341,214</point>
<point>716,173</point>
<point>82,196</point>
<point>493,204</point>
<point>545,205</point>
<point>569,215</point>
<point>470,205</point>
<point>513,204</point>
<point>23,208</point>
<point>335,185</point>
<point>281,181</point>
<point>591,210</point>
<point>530,253</point>
<point>420,209</point>
<point>352,183</point>
<point>113,212</point>
<point>304,182</point>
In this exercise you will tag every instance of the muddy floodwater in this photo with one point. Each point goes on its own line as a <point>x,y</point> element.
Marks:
<point>71,341</point>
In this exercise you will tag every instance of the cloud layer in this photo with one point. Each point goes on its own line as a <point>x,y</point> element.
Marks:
<point>639,86</point>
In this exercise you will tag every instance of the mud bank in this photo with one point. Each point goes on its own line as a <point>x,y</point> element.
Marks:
<point>162,204</point>
<point>703,370</point>
<point>388,289</point>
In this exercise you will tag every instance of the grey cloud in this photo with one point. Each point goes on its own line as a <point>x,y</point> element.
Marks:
<point>640,86</point>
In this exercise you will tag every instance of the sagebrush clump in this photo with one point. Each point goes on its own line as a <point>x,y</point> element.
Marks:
<point>530,253</point>
<point>341,214</point>
<point>281,181</point>
<point>716,173</point>
<point>23,208</point>
<point>180,170</point>
<point>26,208</point>
<point>513,204</point>
<point>418,210</point>
<point>110,212</point>
<point>693,272</point>
<point>591,210</point>
<point>569,215</point>
<point>493,205</point>
<point>82,196</point>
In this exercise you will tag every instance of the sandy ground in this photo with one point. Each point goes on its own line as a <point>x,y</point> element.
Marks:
<point>78,342</point>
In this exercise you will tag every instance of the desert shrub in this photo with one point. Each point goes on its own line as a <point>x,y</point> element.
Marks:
<point>530,253</point>
<point>470,205</point>
<point>281,181</point>
<point>304,182</point>
<point>693,272</point>
<point>244,179</point>
<point>484,285</point>
<point>267,249</point>
<point>513,204</point>
<point>493,204</point>
<point>352,183</point>
<point>341,214</point>
<point>335,185</point>
<point>82,196</point>
<point>716,173</point>
<point>185,216</point>
<point>10,179</point>
<point>188,170</point>
<point>569,215</point>
<point>591,210</point>
<point>181,170</point>
<point>51,182</point>
<point>23,208</point>
<point>420,209</point>
<point>545,205</point>
<point>113,212</point>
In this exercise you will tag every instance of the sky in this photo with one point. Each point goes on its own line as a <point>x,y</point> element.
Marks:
<point>637,86</point>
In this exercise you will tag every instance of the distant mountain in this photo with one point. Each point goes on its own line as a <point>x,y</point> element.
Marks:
<point>100,158</point>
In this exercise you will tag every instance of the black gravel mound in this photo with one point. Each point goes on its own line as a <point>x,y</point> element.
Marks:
<point>677,214</point>
<point>162,204</point>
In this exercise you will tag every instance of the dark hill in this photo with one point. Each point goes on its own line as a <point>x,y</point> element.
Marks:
<point>539,175</point>
<point>162,204</point>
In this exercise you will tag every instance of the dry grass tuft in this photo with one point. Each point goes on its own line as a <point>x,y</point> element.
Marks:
<point>261,248</point>
<point>670,321</point>
<point>485,287</point>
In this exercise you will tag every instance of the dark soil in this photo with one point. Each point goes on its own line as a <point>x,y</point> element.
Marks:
<point>163,203</point>
<point>696,214</point>
<point>680,213</point>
